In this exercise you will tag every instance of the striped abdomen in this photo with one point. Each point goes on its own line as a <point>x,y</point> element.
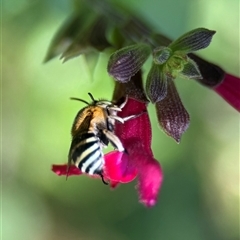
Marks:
<point>86,153</point>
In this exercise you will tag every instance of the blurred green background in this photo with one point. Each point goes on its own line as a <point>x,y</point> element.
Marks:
<point>199,199</point>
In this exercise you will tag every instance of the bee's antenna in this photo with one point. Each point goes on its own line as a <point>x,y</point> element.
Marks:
<point>79,99</point>
<point>91,96</point>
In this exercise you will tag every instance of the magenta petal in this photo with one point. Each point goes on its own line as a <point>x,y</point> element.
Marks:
<point>229,89</point>
<point>136,137</point>
<point>149,172</point>
<point>62,170</point>
<point>118,168</point>
<point>150,181</point>
<point>137,128</point>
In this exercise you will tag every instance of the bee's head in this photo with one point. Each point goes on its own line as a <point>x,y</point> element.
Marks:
<point>101,103</point>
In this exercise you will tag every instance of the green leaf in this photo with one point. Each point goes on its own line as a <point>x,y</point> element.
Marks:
<point>192,41</point>
<point>156,85</point>
<point>135,30</point>
<point>158,39</point>
<point>126,62</point>
<point>91,37</point>
<point>65,35</point>
<point>116,37</point>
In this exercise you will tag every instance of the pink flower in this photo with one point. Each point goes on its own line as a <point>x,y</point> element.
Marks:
<point>138,160</point>
<point>229,89</point>
<point>136,137</point>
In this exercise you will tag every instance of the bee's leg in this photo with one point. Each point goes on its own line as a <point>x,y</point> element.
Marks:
<point>114,140</point>
<point>133,116</point>
<point>124,103</point>
<point>101,175</point>
<point>125,119</point>
<point>119,119</point>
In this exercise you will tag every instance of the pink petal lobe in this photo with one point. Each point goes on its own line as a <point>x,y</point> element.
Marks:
<point>150,181</point>
<point>113,184</point>
<point>118,169</point>
<point>229,89</point>
<point>62,170</point>
<point>150,175</point>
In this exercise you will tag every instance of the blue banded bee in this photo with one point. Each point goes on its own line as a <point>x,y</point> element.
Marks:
<point>92,130</point>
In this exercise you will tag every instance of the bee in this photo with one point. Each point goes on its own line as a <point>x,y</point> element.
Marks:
<point>92,130</point>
